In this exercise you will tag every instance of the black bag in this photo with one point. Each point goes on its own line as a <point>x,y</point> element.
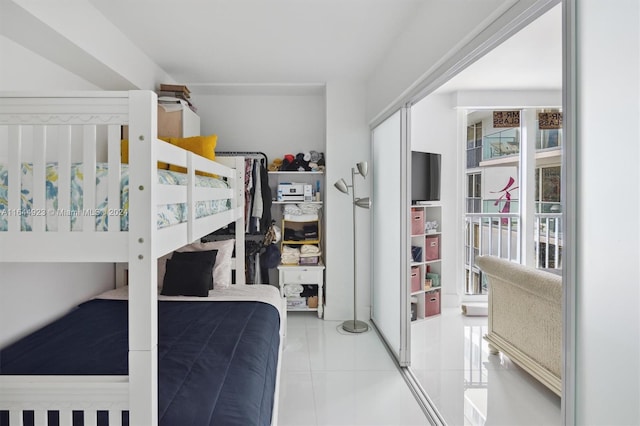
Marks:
<point>271,256</point>
<point>416,253</point>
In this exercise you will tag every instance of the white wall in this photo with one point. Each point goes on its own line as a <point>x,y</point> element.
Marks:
<point>608,271</point>
<point>348,142</point>
<point>434,129</point>
<point>436,32</point>
<point>273,124</point>
<point>24,70</point>
<point>34,294</point>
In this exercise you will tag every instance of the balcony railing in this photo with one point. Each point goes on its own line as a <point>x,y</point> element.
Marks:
<point>548,238</point>
<point>500,234</point>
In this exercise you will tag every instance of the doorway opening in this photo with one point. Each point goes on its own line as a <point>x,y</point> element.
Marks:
<point>507,203</point>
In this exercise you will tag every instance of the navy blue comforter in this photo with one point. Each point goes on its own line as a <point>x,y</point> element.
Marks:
<point>217,360</point>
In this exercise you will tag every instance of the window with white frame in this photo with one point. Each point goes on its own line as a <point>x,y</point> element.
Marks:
<point>474,145</point>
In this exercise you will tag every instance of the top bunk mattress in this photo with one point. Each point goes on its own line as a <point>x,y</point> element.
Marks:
<point>167,214</point>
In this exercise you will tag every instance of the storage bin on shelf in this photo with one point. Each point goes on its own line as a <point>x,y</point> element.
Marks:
<point>432,247</point>
<point>296,302</point>
<point>432,303</point>
<point>306,259</point>
<point>415,279</point>
<point>417,221</point>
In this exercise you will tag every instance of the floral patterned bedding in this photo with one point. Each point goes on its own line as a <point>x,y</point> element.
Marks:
<point>167,214</point>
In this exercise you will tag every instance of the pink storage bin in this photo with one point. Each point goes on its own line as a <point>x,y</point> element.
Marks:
<point>415,279</point>
<point>431,303</point>
<point>417,221</point>
<point>432,247</point>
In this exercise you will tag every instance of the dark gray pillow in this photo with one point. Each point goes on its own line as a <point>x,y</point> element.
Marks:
<point>184,278</point>
<point>206,256</point>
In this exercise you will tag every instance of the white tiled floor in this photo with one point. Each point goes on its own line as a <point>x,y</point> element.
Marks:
<point>471,387</point>
<point>330,377</point>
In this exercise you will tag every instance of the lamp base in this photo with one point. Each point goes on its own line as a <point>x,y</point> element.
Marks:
<point>355,326</point>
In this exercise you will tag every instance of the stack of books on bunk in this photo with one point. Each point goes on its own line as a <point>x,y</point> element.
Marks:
<point>175,93</point>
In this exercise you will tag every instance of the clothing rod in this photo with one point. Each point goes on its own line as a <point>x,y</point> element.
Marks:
<point>245,154</point>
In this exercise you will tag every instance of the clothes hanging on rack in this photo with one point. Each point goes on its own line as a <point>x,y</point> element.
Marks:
<point>257,190</point>
<point>257,212</point>
<point>258,205</point>
<point>248,187</point>
<point>255,270</point>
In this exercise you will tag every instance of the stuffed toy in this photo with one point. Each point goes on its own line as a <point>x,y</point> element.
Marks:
<point>275,165</point>
<point>301,162</point>
<point>287,163</point>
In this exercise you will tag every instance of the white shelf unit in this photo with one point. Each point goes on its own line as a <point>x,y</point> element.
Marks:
<point>303,275</point>
<point>300,274</point>
<point>426,246</point>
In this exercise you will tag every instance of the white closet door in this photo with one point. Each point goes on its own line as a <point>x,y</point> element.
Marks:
<point>390,297</point>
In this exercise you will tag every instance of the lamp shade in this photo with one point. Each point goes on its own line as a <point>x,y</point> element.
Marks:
<point>363,168</point>
<point>365,203</point>
<point>342,186</point>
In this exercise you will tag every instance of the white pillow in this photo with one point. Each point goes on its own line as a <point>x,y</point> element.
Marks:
<point>221,269</point>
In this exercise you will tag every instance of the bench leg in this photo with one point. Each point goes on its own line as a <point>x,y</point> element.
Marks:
<point>493,350</point>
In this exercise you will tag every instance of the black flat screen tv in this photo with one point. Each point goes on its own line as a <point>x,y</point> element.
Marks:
<point>425,176</point>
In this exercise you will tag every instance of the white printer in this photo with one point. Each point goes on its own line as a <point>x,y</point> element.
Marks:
<point>294,192</point>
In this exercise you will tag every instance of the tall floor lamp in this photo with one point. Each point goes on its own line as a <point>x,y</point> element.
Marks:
<point>355,326</point>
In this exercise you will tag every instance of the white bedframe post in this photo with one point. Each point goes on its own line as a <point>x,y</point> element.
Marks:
<point>143,306</point>
<point>15,170</point>
<point>240,222</point>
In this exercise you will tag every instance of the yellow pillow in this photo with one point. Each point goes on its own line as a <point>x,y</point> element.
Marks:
<point>204,146</point>
<point>124,153</point>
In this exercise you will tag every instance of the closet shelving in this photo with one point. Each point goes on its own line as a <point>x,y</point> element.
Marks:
<point>311,274</point>
<point>311,177</point>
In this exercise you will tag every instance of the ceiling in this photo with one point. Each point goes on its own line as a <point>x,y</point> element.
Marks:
<point>262,41</point>
<point>530,59</point>
<point>303,41</point>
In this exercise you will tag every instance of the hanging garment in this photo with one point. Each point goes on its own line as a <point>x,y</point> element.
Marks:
<point>248,186</point>
<point>266,198</point>
<point>260,200</point>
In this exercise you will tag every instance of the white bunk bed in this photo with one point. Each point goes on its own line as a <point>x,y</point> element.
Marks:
<point>41,128</point>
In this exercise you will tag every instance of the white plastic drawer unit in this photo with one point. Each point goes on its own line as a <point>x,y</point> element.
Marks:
<point>301,276</point>
<point>308,275</point>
